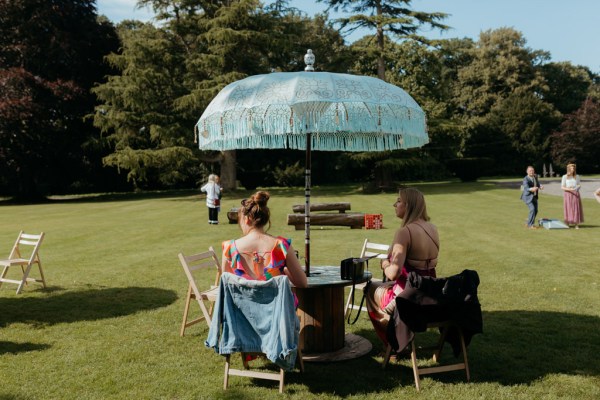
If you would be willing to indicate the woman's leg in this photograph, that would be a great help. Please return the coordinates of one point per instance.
(380, 306)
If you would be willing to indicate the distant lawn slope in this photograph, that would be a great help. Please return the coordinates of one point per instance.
(108, 325)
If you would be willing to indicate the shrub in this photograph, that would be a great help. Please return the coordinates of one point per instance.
(469, 169)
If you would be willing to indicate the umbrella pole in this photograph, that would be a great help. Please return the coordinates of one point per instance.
(307, 206)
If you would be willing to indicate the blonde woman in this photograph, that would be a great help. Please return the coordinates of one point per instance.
(415, 248)
(571, 184)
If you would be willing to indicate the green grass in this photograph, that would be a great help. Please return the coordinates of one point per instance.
(108, 326)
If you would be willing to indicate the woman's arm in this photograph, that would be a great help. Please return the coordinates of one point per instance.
(293, 270)
(563, 183)
(225, 258)
(392, 267)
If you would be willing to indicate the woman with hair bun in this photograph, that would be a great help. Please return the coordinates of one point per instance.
(258, 255)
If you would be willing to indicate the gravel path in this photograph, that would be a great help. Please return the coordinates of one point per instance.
(588, 187)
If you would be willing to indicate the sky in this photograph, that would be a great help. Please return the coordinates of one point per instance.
(568, 30)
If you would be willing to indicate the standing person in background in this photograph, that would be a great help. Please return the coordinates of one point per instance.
(213, 192)
(531, 187)
(218, 182)
(570, 184)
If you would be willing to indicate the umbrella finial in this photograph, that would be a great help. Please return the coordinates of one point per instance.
(309, 60)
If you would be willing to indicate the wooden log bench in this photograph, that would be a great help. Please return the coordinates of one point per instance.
(232, 215)
(341, 218)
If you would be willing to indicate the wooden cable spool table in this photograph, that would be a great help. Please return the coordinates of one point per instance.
(321, 313)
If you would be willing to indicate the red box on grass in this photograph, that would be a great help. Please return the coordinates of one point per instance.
(373, 221)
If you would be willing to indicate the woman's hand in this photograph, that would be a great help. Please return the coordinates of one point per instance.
(384, 264)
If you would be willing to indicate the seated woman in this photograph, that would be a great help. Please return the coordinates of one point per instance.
(258, 255)
(415, 248)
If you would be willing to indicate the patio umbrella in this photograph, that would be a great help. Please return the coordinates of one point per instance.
(312, 111)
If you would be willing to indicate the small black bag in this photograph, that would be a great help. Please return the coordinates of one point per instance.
(354, 269)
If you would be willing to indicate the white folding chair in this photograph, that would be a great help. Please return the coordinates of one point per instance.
(191, 264)
(19, 256)
(369, 249)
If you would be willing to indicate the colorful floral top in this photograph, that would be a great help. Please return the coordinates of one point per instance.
(275, 260)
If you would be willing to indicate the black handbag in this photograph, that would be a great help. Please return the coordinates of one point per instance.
(354, 269)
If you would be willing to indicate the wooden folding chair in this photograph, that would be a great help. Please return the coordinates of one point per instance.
(369, 249)
(417, 371)
(273, 376)
(246, 372)
(191, 264)
(19, 257)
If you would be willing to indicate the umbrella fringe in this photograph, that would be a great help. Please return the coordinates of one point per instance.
(231, 130)
(342, 112)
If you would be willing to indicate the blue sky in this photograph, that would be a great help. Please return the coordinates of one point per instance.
(569, 30)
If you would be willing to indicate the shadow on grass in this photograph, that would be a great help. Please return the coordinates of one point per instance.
(85, 305)
(429, 188)
(14, 348)
(523, 346)
(517, 347)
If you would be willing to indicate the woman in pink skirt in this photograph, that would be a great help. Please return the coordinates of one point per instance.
(571, 183)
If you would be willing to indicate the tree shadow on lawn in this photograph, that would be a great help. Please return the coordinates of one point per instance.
(193, 195)
(517, 347)
(14, 348)
(523, 346)
(83, 305)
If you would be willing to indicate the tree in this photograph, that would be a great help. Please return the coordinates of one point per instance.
(138, 111)
(393, 16)
(515, 133)
(50, 55)
(567, 85)
(209, 45)
(578, 138)
(499, 97)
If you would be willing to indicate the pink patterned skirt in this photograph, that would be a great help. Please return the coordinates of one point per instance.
(573, 212)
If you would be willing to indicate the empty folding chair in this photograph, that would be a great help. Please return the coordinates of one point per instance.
(369, 249)
(191, 265)
(24, 254)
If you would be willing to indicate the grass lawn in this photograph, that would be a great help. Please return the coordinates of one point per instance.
(108, 325)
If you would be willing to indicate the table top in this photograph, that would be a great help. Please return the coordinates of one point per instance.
(321, 276)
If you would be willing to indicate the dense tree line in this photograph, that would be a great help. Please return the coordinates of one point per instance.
(87, 106)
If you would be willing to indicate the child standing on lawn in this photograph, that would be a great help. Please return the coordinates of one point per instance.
(213, 193)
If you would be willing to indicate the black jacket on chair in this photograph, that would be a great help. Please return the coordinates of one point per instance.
(427, 300)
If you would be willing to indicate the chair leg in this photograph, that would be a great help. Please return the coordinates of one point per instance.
(440, 345)
(464, 351)
(186, 309)
(39, 263)
(300, 360)
(413, 358)
(348, 304)
(24, 280)
(226, 376)
(4, 272)
(281, 379)
(386, 357)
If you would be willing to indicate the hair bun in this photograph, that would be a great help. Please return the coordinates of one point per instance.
(261, 198)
